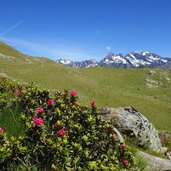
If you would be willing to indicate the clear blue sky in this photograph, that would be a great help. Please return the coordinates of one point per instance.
(84, 29)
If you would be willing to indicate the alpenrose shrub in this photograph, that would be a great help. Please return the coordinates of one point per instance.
(60, 135)
(7, 92)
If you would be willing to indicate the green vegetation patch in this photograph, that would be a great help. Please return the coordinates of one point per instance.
(147, 90)
(57, 133)
(9, 51)
(109, 87)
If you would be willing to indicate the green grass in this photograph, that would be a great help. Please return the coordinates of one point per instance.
(108, 87)
(10, 121)
(9, 51)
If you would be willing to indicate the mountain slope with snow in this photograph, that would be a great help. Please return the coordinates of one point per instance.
(131, 60)
(83, 64)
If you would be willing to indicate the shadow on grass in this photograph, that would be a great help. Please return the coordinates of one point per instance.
(10, 121)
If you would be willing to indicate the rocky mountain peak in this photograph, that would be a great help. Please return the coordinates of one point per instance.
(78, 64)
(144, 59)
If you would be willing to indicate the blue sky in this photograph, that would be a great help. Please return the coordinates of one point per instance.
(85, 29)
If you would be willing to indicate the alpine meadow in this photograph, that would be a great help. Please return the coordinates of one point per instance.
(147, 90)
(45, 126)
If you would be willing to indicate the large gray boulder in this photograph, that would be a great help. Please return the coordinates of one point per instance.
(132, 123)
(155, 163)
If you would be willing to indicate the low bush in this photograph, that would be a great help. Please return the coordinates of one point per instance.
(58, 133)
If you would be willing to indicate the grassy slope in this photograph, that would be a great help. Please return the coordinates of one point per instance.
(109, 87)
(7, 50)
(18, 56)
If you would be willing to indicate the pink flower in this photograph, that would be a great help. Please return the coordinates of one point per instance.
(1, 131)
(40, 110)
(73, 93)
(113, 136)
(18, 92)
(61, 132)
(38, 122)
(125, 163)
(51, 102)
(92, 103)
(123, 146)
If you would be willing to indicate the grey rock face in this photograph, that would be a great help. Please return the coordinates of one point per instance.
(167, 66)
(168, 154)
(155, 163)
(132, 123)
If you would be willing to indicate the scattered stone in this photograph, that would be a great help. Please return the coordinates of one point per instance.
(152, 83)
(155, 163)
(166, 76)
(168, 154)
(11, 58)
(163, 150)
(133, 124)
(151, 72)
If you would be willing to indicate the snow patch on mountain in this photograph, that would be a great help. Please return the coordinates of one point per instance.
(64, 61)
(83, 64)
(112, 58)
(131, 60)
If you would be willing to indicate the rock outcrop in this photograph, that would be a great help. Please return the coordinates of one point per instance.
(120, 137)
(168, 154)
(132, 123)
(155, 163)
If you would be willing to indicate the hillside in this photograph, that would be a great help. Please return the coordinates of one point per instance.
(9, 51)
(10, 54)
(147, 90)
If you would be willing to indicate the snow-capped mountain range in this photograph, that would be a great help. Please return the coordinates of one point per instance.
(82, 64)
(131, 60)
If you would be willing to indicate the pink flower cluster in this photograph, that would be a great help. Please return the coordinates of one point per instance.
(38, 122)
(113, 136)
(73, 93)
(125, 163)
(92, 103)
(123, 146)
(1, 131)
(51, 102)
(18, 92)
(61, 132)
(40, 110)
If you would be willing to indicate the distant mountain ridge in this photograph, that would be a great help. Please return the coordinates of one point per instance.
(82, 64)
(131, 60)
